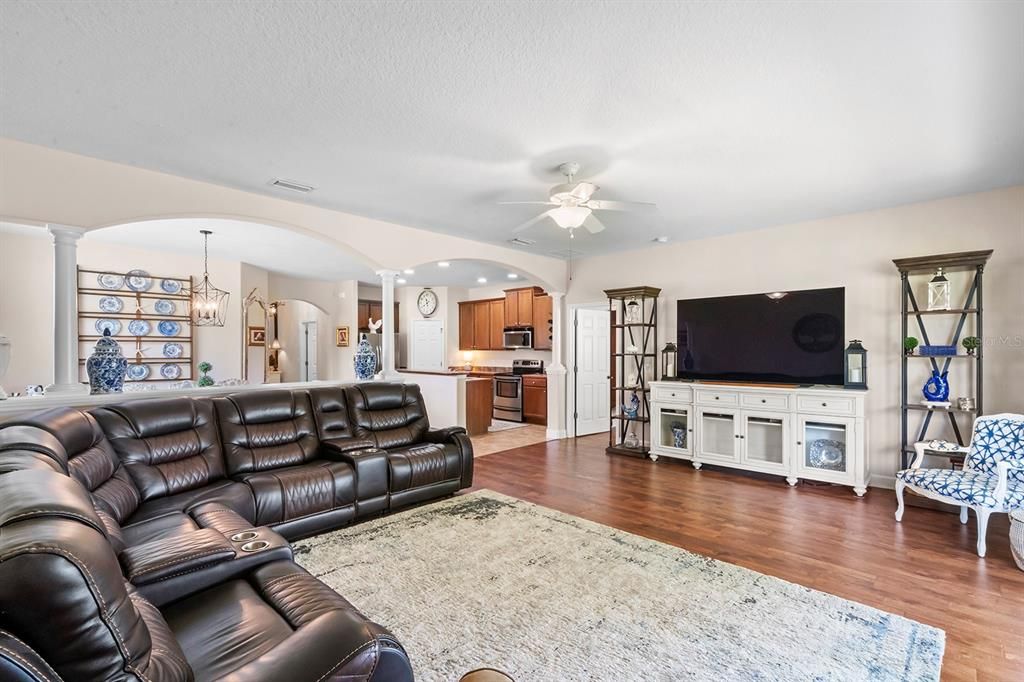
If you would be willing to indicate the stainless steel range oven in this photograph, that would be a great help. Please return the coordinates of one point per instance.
(508, 390)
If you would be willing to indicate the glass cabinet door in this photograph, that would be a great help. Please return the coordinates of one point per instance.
(764, 440)
(826, 446)
(674, 429)
(719, 435)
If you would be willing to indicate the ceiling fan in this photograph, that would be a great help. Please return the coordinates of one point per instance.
(574, 206)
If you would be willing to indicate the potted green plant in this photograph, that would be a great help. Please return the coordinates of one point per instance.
(971, 343)
(206, 379)
(909, 344)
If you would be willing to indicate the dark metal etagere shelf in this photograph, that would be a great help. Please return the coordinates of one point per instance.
(641, 331)
(972, 262)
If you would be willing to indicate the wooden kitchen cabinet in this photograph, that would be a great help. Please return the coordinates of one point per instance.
(496, 317)
(542, 323)
(519, 306)
(482, 325)
(467, 327)
(535, 399)
(365, 310)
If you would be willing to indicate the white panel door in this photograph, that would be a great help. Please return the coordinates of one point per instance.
(308, 369)
(427, 345)
(592, 371)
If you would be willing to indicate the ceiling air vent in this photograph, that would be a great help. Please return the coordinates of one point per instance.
(521, 241)
(292, 186)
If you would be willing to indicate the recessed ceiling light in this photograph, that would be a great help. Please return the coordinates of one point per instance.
(400, 281)
(443, 264)
(408, 271)
(513, 275)
(660, 240)
(481, 280)
(776, 295)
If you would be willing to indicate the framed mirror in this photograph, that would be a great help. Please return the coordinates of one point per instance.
(254, 338)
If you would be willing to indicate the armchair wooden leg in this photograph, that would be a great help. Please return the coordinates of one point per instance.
(982, 515)
(963, 513)
(899, 499)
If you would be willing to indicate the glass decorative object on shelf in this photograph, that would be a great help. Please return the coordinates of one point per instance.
(631, 440)
(855, 366)
(209, 304)
(632, 408)
(938, 292)
(633, 315)
(669, 361)
(678, 434)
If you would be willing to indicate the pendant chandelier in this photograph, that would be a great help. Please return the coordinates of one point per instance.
(209, 304)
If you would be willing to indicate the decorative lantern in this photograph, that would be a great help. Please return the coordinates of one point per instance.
(938, 292)
(633, 311)
(209, 304)
(669, 361)
(855, 367)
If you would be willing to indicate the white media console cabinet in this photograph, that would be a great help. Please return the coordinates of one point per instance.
(800, 433)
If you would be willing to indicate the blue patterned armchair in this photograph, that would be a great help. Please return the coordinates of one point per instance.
(992, 479)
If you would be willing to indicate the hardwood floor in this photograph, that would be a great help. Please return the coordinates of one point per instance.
(825, 538)
(498, 441)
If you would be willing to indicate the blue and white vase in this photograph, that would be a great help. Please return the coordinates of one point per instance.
(631, 408)
(936, 389)
(365, 360)
(106, 366)
(678, 435)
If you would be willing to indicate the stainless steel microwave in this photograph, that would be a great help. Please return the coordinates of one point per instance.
(518, 338)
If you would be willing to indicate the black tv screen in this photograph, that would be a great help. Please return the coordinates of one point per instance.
(795, 338)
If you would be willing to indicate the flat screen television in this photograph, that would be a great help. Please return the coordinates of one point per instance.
(794, 338)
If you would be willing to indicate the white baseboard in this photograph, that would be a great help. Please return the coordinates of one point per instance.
(556, 434)
(879, 481)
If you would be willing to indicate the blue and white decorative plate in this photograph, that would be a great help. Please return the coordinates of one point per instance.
(173, 350)
(137, 372)
(138, 280)
(164, 307)
(139, 327)
(104, 323)
(169, 328)
(170, 371)
(111, 304)
(109, 280)
(170, 286)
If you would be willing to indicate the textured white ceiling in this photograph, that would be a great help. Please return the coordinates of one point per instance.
(730, 116)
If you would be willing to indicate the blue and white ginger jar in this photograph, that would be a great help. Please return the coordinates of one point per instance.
(106, 366)
(365, 360)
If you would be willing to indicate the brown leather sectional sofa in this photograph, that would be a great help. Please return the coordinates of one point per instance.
(149, 540)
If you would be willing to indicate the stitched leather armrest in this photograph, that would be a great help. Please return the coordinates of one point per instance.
(443, 435)
(337, 445)
(370, 465)
(163, 559)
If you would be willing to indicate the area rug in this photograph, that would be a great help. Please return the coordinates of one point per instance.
(489, 580)
(502, 425)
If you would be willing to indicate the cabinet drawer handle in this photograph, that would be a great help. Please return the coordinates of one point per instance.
(673, 395)
(824, 404)
(716, 397)
(736, 436)
(763, 400)
(742, 436)
(799, 442)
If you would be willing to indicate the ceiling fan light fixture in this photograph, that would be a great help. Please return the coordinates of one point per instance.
(570, 217)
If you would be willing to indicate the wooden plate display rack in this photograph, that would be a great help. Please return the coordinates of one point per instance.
(138, 305)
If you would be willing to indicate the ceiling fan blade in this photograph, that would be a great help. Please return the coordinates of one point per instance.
(602, 205)
(593, 225)
(532, 203)
(584, 190)
(531, 222)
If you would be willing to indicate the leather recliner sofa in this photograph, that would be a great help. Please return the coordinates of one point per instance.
(177, 486)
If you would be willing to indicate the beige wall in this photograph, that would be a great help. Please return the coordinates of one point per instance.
(856, 252)
(26, 301)
(256, 278)
(41, 185)
(291, 316)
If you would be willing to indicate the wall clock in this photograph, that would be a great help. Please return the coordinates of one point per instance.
(427, 302)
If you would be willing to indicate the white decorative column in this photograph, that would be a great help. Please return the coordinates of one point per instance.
(65, 310)
(387, 304)
(556, 371)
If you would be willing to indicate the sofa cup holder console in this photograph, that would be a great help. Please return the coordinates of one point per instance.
(255, 546)
(245, 536)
